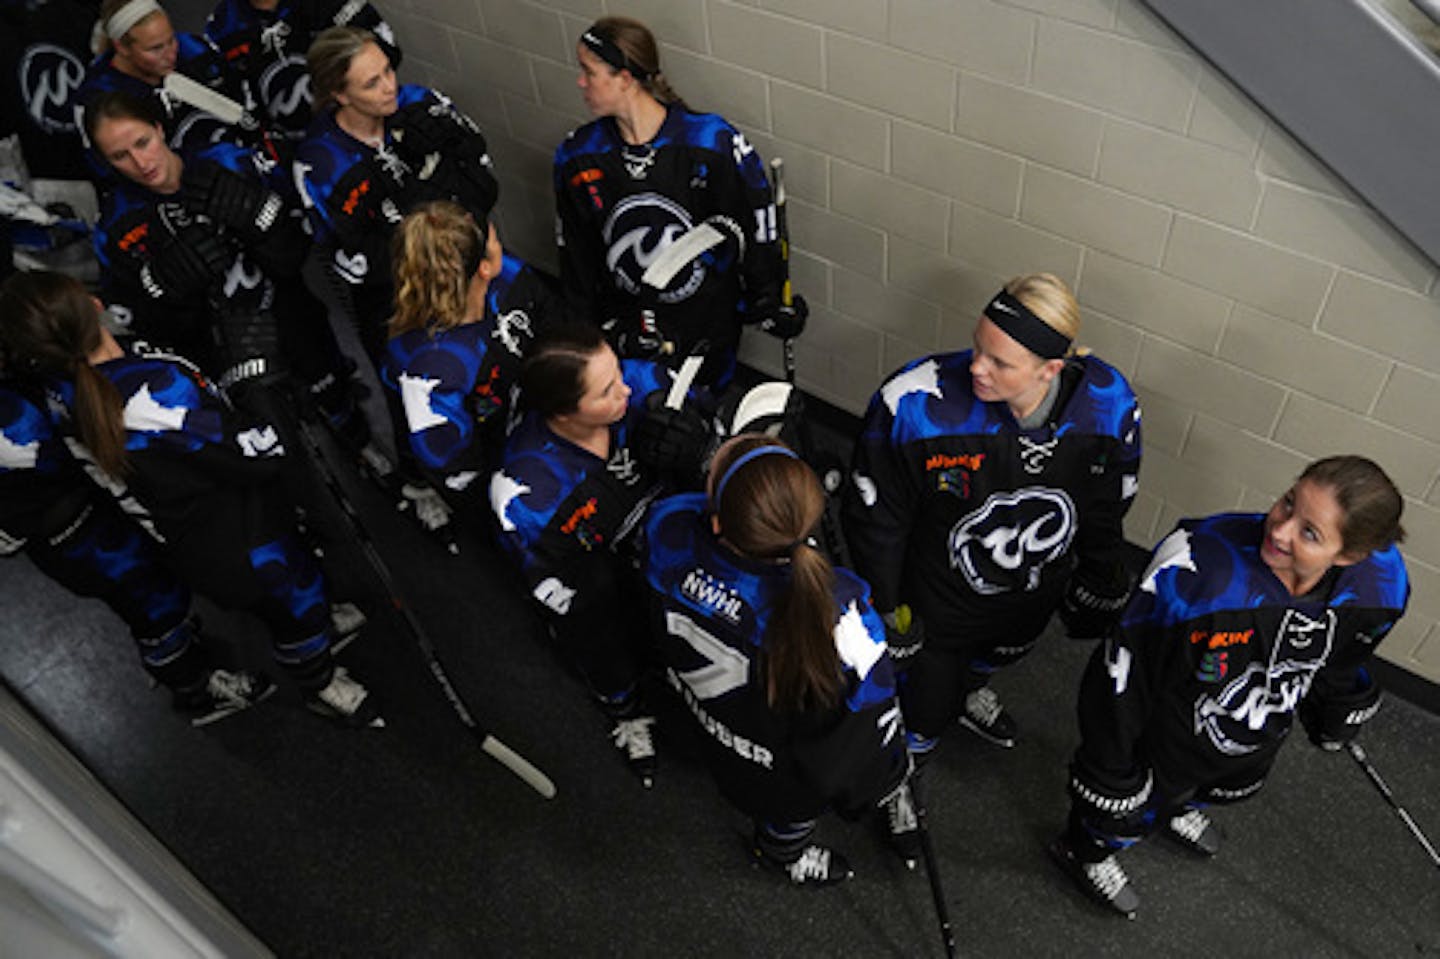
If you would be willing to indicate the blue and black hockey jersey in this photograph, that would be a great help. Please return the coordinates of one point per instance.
(715, 607)
(137, 225)
(561, 507)
(455, 384)
(186, 127)
(957, 510)
(42, 486)
(268, 47)
(621, 206)
(1214, 654)
(356, 193)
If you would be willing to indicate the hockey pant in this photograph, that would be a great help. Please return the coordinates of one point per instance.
(947, 668)
(243, 557)
(1094, 836)
(603, 632)
(103, 554)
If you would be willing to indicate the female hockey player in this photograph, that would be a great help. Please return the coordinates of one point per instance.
(779, 656)
(465, 310)
(989, 487)
(201, 253)
(374, 151)
(578, 472)
(204, 476)
(137, 49)
(640, 183)
(265, 41)
(1240, 622)
(78, 535)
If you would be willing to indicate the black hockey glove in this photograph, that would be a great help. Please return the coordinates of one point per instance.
(229, 199)
(189, 263)
(423, 128)
(671, 440)
(251, 339)
(780, 321)
(1094, 600)
(1333, 721)
(904, 633)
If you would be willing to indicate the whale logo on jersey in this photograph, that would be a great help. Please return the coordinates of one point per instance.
(284, 88)
(49, 76)
(1004, 545)
(638, 231)
(1234, 719)
(511, 327)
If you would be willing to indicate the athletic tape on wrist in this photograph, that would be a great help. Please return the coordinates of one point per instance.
(1025, 328)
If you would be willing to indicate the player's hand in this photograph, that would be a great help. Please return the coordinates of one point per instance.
(669, 439)
(780, 321)
(904, 633)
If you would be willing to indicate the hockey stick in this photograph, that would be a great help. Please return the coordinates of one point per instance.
(830, 479)
(782, 232)
(497, 750)
(932, 871)
(198, 95)
(1357, 753)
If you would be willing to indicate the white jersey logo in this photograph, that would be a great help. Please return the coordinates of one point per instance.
(1034, 456)
(144, 414)
(415, 395)
(49, 77)
(503, 492)
(1174, 550)
(637, 232)
(18, 456)
(555, 595)
(1005, 545)
(922, 378)
(512, 329)
(856, 644)
(1234, 719)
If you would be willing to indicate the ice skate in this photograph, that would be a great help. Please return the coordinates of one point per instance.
(1194, 830)
(1103, 881)
(346, 700)
(904, 823)
(816, 865)
(986, 718)
(634, 738)
(222, 693)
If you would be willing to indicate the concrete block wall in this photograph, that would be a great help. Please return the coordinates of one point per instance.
(935, 147)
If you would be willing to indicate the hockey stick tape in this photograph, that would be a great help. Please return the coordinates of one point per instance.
(197, 95)
(688, 369)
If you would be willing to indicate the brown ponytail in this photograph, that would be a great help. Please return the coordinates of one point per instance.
(767, 506)
(51, 327)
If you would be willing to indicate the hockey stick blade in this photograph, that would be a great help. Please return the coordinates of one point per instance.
(688, 370)
(510, 759)
(197, 95)
(664, 267)
(518, 765)
(1357, 753)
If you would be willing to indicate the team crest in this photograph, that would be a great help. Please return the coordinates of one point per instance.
(1005, 544)
(638, 231)
(49, 76)
(1235, 718)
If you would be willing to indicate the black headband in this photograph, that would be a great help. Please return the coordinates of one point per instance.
(598, 42)
(1025, 328)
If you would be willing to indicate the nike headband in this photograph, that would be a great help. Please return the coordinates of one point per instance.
(599, 43)
(129, 15)
(1025, 328)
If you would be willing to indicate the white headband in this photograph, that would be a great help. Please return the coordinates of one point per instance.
(129, 15)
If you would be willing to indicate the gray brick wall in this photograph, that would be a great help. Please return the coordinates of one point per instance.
(934, 147)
